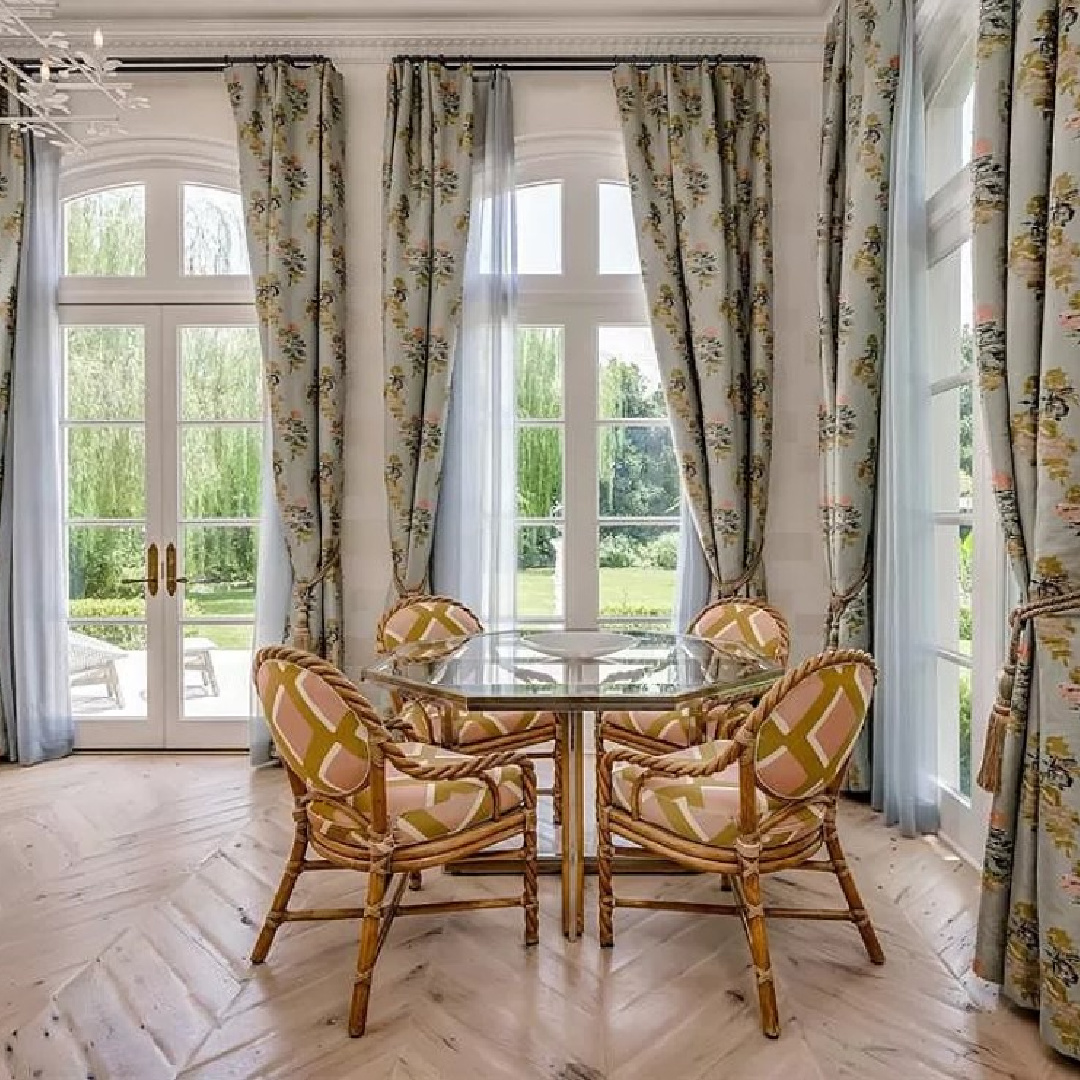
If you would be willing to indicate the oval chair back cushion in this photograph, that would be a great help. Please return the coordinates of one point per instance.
(426, 618)
(744, 623)
(317, 735)
(805, 741)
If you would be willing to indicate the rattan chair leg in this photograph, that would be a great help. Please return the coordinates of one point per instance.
(605, 853)
(754, 914)
(416, 880)
(529, 870)
(859, 914)
(280, 904)
(369, 952)
(556, 775)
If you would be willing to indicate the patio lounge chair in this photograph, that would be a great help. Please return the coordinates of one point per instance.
(92, 661)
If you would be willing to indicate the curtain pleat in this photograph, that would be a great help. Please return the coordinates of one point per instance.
(427, 192)
(1026, 255)
(35, 697)
(291, 139)
(861, 70)
(474, 554)
(697, 149)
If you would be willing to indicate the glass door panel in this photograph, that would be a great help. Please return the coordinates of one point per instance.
(109, 518)
(218, 473)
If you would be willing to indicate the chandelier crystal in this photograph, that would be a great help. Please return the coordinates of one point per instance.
(76, 92)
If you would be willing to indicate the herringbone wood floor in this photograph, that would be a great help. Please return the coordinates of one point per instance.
(132, 886)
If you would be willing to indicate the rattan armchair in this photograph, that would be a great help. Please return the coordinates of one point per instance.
(761, 802)
(431, 619)
(742, 624)
(364, 802)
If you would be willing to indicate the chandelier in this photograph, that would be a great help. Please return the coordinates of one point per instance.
(49, 102)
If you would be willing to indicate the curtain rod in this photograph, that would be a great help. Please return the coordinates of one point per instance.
(574, 63)
(144, 65)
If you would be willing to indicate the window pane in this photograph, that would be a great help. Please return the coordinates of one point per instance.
(221, 373)
(106, 472)
(539, 372)
(107, 669)
(539, 229)
(629, 374)
(637, 569)
(539, 572)
(951, 318)
(954, 433)
(954, 716)
(638, 474)
(221, 470)
(539, 472)
(105, 372)
(214, 239)
(954, 563)
(617, 239)
(219, 563)
(215, 676)
(100, 558)
(105, 233)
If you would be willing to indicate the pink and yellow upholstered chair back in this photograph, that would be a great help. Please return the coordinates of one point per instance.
(745, 622)
(424, 618)
(811, 720)
(318, 736)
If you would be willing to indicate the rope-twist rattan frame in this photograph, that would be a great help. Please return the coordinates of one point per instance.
(536, 736)
(728, 715)
(375, 850)
(742, 864)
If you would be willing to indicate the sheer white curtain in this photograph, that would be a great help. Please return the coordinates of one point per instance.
(273, 592)
(693, 579)
(904, 727)
(33, 587)
(474, 555)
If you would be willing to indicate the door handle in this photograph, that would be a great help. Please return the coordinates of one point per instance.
(151, 581)
(171, 580)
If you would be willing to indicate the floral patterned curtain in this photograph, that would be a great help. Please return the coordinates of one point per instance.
(1026, 251)
(862, 49)
(291, 134)
(427, 184)
(697, 150)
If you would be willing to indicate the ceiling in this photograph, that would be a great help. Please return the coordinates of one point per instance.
(441, 10)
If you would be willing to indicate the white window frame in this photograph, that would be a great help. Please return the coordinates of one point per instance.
(581, 301)
(964, 817)
(162, 300)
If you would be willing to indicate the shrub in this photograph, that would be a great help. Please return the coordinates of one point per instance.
(123, 635)
(617, 550)
(663, 552)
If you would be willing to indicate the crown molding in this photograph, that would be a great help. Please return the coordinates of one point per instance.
(362, 40)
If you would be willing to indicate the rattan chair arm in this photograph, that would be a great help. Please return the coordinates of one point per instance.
(663, 765)
(340, 801)
(472, 767)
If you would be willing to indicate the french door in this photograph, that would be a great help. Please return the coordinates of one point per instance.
(162, 421)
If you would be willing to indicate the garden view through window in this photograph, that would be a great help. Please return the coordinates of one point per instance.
(162, 422)
(598, 492)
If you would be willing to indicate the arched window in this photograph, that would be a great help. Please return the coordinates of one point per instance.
(598, 485)
(162, 421)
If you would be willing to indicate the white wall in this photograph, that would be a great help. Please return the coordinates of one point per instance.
(546, 103)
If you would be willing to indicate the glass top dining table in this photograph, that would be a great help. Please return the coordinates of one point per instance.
(524, 669)
(571, 673)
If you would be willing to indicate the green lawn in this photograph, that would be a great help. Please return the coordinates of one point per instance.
(631, 590)
(224, 601)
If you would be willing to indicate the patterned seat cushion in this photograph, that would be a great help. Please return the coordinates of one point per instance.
(704, 809)
(427, 720)
(743, 622)
(676, 726)
(422, 810)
